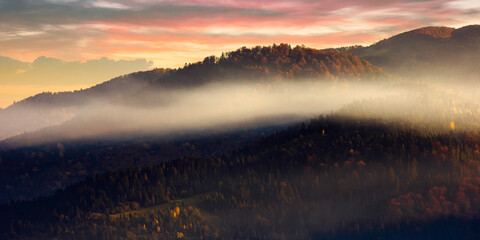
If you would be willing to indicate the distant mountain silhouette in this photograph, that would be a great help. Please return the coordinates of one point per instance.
(430, 53)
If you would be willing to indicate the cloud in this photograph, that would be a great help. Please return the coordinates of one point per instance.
(464, 4)
(10, 67)
(19, 80)
(52, 71)
(105, 4)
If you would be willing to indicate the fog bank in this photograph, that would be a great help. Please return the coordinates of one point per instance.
(212, 107)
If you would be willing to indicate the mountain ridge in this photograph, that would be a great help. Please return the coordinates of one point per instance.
(330, 65)
(431, 53)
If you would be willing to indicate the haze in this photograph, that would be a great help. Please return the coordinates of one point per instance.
(214, 107)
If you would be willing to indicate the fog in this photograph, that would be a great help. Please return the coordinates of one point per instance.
(229, 106)
(215, 106)
(435, 108)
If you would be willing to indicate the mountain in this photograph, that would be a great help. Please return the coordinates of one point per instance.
(333, 178)
(154, 88)
(432, 53)
(57, 155)
(429, 54)
(403, 164)
(281, 62)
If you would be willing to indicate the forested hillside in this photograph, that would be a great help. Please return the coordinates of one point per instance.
(331, 178)
(273, 62)
(33, 171)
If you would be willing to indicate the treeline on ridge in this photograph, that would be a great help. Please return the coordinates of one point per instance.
(267, 63)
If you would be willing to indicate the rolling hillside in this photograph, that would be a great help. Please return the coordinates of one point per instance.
(437, 54)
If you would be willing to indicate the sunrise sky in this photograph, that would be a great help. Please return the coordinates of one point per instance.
(110, 38)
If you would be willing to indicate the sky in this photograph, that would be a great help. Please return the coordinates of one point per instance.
(134, 35)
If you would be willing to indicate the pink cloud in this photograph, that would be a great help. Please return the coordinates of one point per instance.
(196, 28)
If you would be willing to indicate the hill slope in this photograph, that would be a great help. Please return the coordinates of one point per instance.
(432, 53)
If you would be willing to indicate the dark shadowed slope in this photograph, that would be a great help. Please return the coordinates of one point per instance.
(331, 179)
(34, 171)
